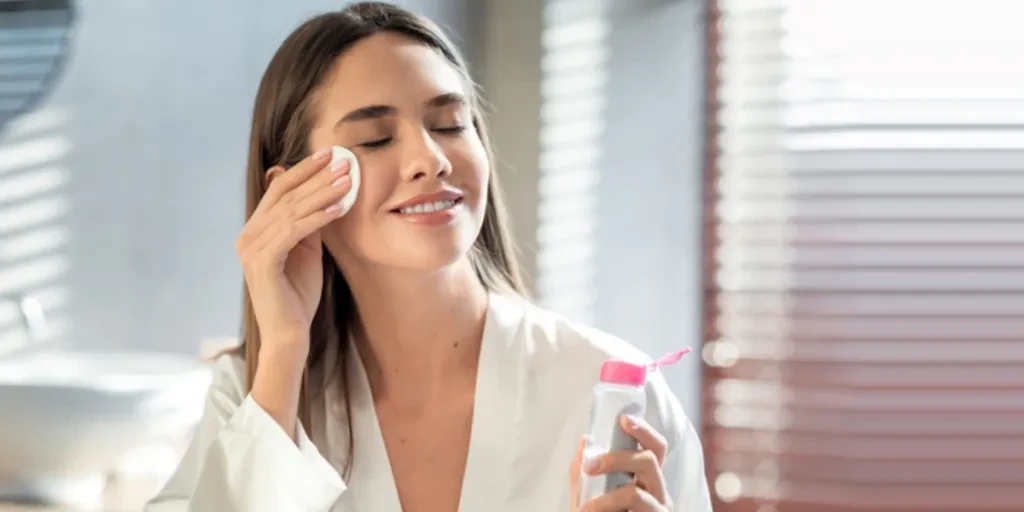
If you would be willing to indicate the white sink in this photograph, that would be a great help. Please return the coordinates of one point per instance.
(68, 418)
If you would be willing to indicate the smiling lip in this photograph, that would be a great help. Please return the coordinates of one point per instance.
(436, 216)
(433, 197)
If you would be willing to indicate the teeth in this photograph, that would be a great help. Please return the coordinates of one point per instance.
(436, 206)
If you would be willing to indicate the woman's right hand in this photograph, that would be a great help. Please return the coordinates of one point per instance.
(280, 247)
(281, 253)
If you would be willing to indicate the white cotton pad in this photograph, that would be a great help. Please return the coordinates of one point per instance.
(338, 154)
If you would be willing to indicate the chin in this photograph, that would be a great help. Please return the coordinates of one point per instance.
(434, 253)
(433, 264)
(435, 247)
(422, 250)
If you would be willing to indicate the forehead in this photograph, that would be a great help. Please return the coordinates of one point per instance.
(388, 69)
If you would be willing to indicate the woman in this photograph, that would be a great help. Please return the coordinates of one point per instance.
(390, 361)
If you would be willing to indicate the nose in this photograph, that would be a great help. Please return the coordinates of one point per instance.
(424, 159)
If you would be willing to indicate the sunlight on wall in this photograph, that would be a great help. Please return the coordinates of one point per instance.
(574, 68)
(33, 233)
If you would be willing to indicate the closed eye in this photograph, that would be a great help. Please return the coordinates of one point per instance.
(447, 130)
(451, 129)
(376, 143)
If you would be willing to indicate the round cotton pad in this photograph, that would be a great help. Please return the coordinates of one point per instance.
(338, 154)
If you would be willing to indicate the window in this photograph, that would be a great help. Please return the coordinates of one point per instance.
(34, 40)
(574, 69)
(865, 273)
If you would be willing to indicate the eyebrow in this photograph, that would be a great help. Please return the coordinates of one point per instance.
(379, 111)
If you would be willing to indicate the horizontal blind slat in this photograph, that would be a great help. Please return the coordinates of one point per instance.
(870, 304)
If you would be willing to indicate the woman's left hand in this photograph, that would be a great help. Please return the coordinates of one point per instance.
(648, 491)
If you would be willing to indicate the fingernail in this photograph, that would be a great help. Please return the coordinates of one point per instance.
(341, 181)
(591, 465)
(333, 209)
(631, 421)
(321, 153)
(336, 167)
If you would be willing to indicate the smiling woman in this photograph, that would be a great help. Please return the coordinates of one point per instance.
(391, 360)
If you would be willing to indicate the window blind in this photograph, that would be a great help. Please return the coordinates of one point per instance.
(865, 268)
(34, 35)
(574, 61)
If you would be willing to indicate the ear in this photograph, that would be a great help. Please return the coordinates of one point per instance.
(273, 173)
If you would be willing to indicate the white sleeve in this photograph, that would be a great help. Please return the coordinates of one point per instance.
(683, 467)
(684, 473)
(240, 459)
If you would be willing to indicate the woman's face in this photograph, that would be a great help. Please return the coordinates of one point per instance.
(402, 108)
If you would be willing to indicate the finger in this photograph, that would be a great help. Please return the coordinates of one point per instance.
(283, 182)
(325, 178)
(629, 497)
(268, 199)
(646, 435)
(327, 195)
(574, 468)
(268, 224)
(574, 475)
(287, 235)
(643, 465)
(265, 202)
(264, 217)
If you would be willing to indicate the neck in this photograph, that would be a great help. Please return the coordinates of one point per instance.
(418, 332)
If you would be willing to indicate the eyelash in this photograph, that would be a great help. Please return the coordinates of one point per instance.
(451, 130)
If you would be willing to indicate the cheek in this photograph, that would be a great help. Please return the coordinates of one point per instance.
(374, 190)
(380, 179)
(473, 166)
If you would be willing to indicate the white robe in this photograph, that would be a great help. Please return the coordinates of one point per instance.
(532, 404)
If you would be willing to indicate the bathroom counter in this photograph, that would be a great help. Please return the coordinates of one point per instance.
(126, 490)
(122, 495)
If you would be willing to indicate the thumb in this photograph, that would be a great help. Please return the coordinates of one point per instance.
(313, 241)
(574, 475)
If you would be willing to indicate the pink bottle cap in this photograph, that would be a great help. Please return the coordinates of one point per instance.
(621, 372)
(631, 374)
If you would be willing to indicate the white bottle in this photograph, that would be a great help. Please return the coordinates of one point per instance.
(620, 391)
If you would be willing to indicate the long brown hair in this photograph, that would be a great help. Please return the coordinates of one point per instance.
(281, 124)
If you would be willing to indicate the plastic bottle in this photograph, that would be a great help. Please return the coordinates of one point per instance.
(620, 391)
